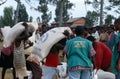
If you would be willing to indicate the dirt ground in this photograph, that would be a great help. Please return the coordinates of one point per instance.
(8, 74)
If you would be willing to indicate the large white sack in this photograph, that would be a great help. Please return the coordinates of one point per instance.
(105, 75)
(94, 74)
(100, 74)
(15, 31)
(42, 47)
(5, 30)
(35, 24)
(62, 70)
(32, 38)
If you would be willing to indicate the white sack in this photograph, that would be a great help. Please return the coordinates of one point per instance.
(13, 33)
(5, 30)
(94, 74)
(43, 45)
(102, 75)
(105, 75)
(35, 24)
(62, 70)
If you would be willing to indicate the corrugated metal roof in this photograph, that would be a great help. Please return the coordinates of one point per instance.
(72, 20)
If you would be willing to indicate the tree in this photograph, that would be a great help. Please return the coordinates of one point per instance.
(17, 11)
(98, 6)
(22, 14)
(2, 2)
(108, 19)
(7, 18)
(43, 8)
(114, 4)
(91, 18)
(62, 11)
(30, 19)
(38, 19)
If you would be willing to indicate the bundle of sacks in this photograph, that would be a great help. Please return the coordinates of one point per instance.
(15, 31)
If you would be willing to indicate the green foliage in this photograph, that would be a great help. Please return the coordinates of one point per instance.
(7, 18)
(23, 15)
(115, 4)
(108, 19)
(30, 19)
(38, 19)
(66, 6)
(43, 8)
(108, 8)
(91, 18)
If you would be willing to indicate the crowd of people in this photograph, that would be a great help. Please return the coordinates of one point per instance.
(85, 50)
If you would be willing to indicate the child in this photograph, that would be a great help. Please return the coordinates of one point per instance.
(52, 61)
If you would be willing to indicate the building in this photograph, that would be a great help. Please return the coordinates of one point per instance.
(72, 22)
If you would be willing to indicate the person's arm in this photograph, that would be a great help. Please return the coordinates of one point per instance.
(65, 54)
(28, 44)
(92, 56)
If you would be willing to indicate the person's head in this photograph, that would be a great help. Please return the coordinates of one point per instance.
(110, 30)
(93, 30)
(79, 30)
(44, 28)
(117, 24)
(31, 29)
(91, 38)
(56, 48)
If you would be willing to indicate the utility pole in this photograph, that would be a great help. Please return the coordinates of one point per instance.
(17, 11)
(61, 13)
(101, 12)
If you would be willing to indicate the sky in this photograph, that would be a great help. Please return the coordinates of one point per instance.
(79, 9)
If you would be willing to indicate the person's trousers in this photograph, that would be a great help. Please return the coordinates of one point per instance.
(79, 74)
(48, 72)
(118, 75)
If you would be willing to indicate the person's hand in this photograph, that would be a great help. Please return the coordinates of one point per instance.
(66, 33)
(32, 59)
(31, 43)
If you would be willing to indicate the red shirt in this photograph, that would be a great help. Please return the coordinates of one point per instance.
(103, 56)
(52, 60)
